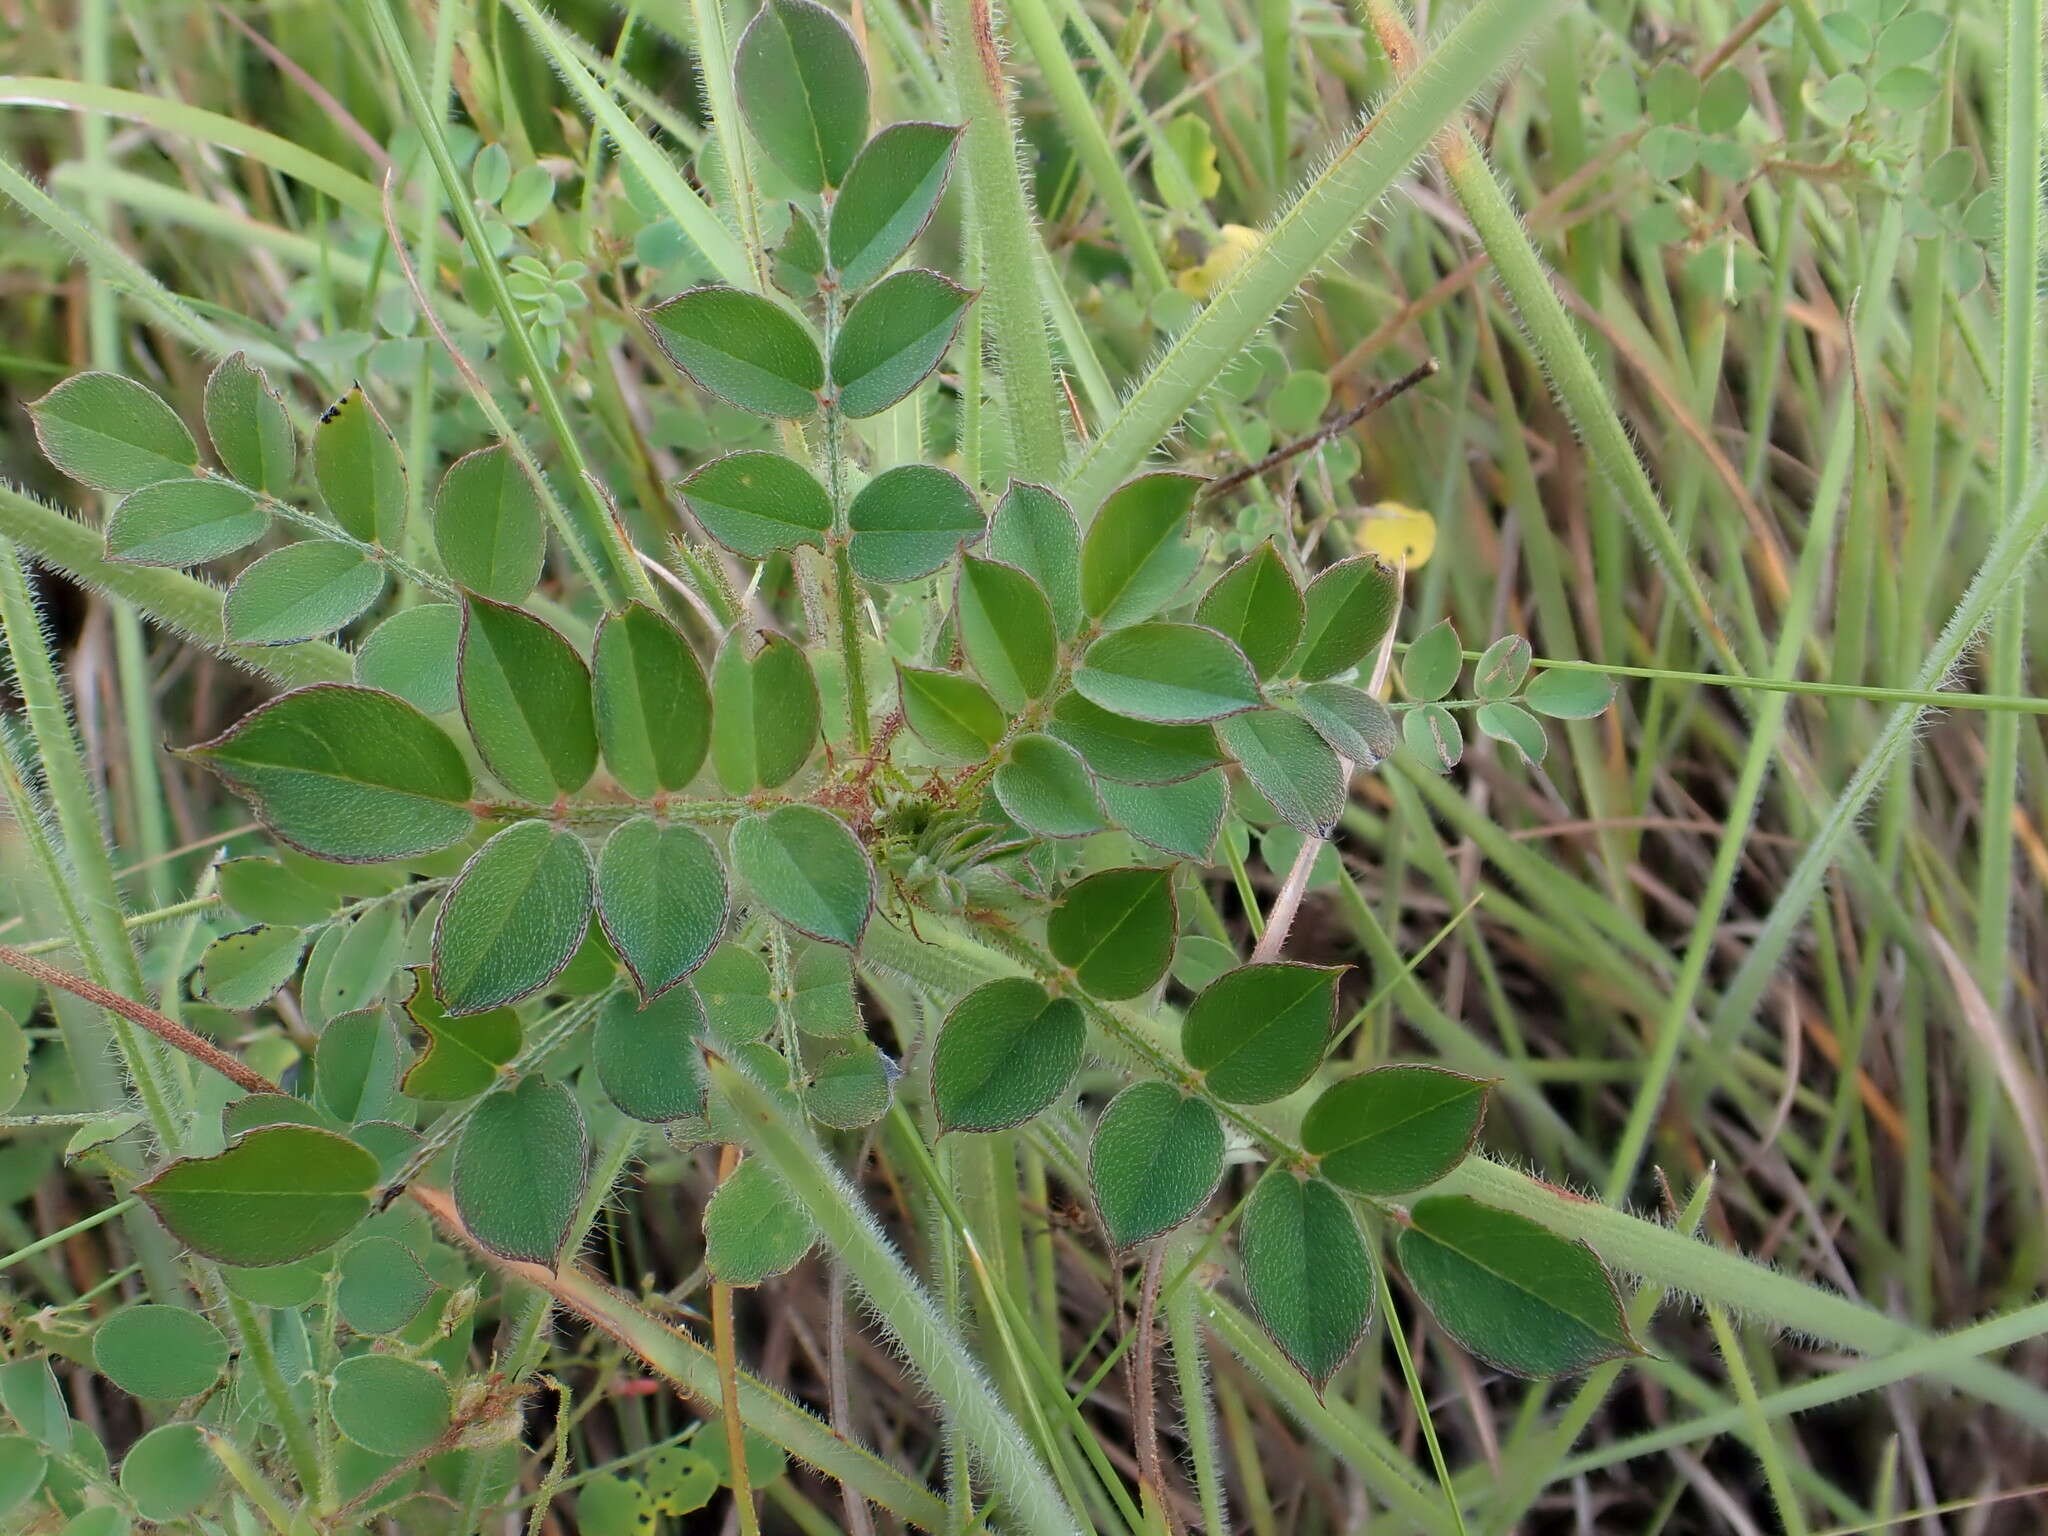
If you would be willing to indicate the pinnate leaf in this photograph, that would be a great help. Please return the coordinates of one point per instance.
(907, 521)
(652, 704)
(803, 91)
(159, 1352)
(1433, 734)
(661, 899)
(183, 522)
(951, 714)
(1005, 1052)
(1044, 787)
(488, 527)
(1257, 1033)
(513, 918)
(806, 867)
(113, 434)
(1258, 607)
(1515, 727)
(389, 1405)
(245, 969)
(1433, 663)
(1034, 530)
(743, 348)
(1349, 610)
(893, 337)
(1306, 1271)
(1136, 555)
(1114, 931)
(1358, 727)
(1170, 673)
(754, 503)
(1394, 1129)
(356, 466)
(647, 1057)
(1292, 766)
(412, 654)
(1569, 695)
(249, 426)
(1513, 1293)
(348, 774)
(1006, 629)
(1155, 1160)
(278, 1194)
(463, 1055)
(764, 713)
(300, 592)
(520, 1170)
(1501, 668)
(526, 697)
(890, 192)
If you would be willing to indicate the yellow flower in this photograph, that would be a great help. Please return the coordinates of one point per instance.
(1397, 534)
(1235, 242)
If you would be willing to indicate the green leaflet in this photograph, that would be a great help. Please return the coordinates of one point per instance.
(753, 1230)
(520, 1171)
(1501, 670)
(1430, 669)
(661, 899)
(249, 427)
(1513, 1293)
(1258, 607)
(526, 697)
(463, 1055)
(1257, 1033)
(169, 1473)
(1181, 818)
(847, 1084)
(1349, 610)
(347, 774)
(184, 522)
(1045, 788)
(1175, 674)
(893, 338)
(1034, 530)
(355, 1072)
(806, 867)
(755, 503)
(823, 999)
(300, 592)
(412, 654)
(908, 521)
(651, 702)
(1134, 751)
(953, 715)
(1136, 555)
(159, 1352)
(1155, 1160)
(380, 1286)
(279, 1193)
(1433, 734)
(113, 434)
(357, 468)
(1006, 629)
(1005, 1052)
(1292, 766)
(891, 189)
(1358, 727)
(738, 994)
(246, 969)
(1306, 1271)
(764, 713)
(23, 1466)
(743, 348)
(1515, 727)
(264, 891)
(1565, 694)
(513, 918)
(647, 1056)
(1394, 1129)
(1115, 930)
(391, 1406)
(803, 90)
(488, 525)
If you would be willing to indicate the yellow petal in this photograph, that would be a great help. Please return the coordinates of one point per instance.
(1397, 534)
(1235, 242)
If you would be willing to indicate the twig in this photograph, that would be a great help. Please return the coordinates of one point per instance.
(1384, 395)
